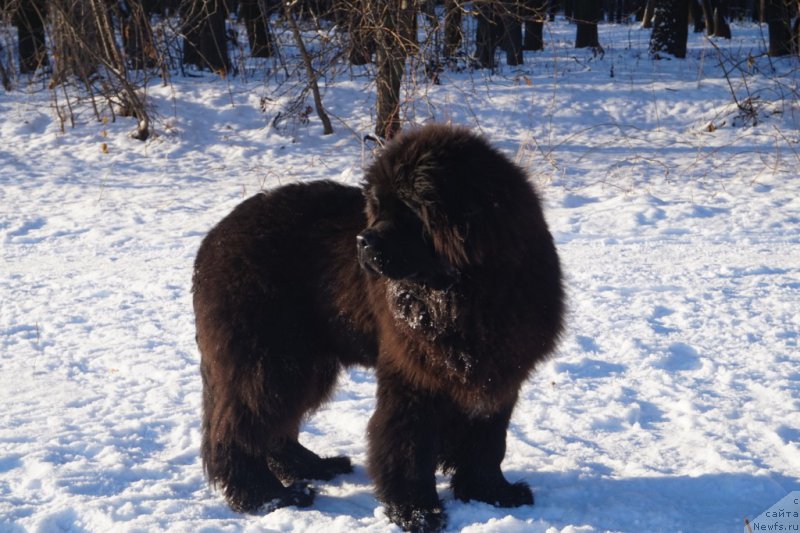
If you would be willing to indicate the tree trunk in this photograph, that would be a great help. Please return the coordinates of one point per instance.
(697, 16)
(203, 28)
(776, 15)
(619, 11)
(255, 14)
(708, 16)
(5, 80)
(511, 32)
(569, 9)
(362, 36)
(721, 27)
(587, 14)
(534, 13)
(73, 34)
(137, 35)
(486, 33)
(452, 28)
(498, 25)
(671, 28)
(327, 129)
(395, 42)
(29, 20)
(649, 12)
(796, 29)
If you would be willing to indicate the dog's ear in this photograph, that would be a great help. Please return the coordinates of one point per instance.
(450, 239)
(422, 188)
(440, 214)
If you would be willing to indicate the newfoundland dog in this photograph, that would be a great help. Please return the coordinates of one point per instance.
(440, 273)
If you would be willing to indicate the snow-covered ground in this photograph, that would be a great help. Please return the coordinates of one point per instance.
(672, 404)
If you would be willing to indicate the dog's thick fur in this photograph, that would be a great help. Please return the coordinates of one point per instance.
(441, 274)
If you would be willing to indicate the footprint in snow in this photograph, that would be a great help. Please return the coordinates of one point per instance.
(656, 322)
(22, 232)
(590, 368)
(681, 357)
(702, 211)
(572, 201)
(788, 434)
(10, 462)
(587, 344)
(650, 216)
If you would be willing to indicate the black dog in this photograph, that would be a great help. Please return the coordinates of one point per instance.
(447, 282)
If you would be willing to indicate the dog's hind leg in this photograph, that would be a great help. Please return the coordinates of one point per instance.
(292, 462)
(250, 487)
(289, 460)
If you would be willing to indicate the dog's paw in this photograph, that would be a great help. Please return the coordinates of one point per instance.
(499, 494)
(258, 500)
(514, 495)
(330, 467)
(417, 519)
(298, 494)
(292, 468)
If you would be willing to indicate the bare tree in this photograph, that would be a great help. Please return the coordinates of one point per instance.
(312, 76)
(5, 79)
(587, 15)
(670, 28)
(255, 14)
(777, 16)
(137, 34)
(698, 17)
(715, 14)
(647, 14)
(394, 24)
(204, 41)
(511, 38)
(533, 15)
(499, 24)
(452, 27)
(29, 18)
(360, 28)
(486, 33)
(88, 53)
(73, 34)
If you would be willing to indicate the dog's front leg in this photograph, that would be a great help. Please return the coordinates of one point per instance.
(402, 454)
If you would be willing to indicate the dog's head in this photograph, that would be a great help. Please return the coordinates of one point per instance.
(440, 199)
(396, 243)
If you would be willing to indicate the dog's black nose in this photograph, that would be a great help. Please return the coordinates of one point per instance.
(365, 240)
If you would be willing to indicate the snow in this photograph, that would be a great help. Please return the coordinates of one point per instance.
(672, 403)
